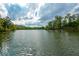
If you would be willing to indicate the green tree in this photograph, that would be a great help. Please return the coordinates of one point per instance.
(6, 24)
(57, 22)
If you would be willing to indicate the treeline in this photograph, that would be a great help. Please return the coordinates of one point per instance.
(6, 24)
(68, 22)
(20, 27)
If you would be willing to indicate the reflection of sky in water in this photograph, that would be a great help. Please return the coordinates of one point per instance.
(39, 42)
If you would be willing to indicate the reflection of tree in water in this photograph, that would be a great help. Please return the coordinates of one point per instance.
(4, 39)
(59, 38)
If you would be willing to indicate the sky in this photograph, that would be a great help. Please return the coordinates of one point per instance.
(35, 14)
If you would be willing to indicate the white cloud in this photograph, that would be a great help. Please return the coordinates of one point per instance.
(39, 1)
(22, 2)
(13, 1)
(3, 11)
(30, 14)
(72, 11)
(24, 22)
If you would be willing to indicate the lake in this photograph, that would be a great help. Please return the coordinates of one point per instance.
(39, 43)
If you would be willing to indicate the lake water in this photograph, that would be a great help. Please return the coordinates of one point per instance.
(39, 43)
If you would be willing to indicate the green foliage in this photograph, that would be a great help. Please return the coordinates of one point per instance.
(56, 24)
(49, 25)
(69, 22)
(6, 24)
(20, 27)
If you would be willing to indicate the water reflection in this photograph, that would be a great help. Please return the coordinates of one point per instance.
(39, 43)
(4, 45)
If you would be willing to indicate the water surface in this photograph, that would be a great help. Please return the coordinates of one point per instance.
(39, 43)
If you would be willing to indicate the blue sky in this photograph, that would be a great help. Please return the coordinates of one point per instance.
(36, 14)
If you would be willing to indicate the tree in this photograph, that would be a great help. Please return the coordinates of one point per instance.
(6, 24)
(57, 22)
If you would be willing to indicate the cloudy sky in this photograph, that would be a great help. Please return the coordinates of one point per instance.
(35, 14)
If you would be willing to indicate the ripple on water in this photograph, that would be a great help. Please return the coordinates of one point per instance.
(26, 52)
